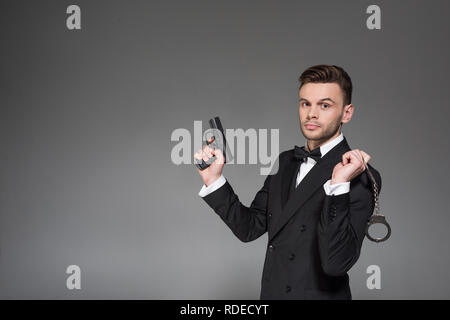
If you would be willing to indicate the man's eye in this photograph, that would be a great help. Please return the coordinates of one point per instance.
(324, 104)
(303, 103)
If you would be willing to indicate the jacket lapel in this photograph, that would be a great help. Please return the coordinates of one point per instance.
(315, 178)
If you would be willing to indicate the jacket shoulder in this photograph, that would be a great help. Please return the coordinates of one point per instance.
(287, 154)
(281, 160)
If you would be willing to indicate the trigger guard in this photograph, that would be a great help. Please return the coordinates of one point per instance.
(203, 165)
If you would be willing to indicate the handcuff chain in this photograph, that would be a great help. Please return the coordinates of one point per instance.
(375, 188)
(378, 217)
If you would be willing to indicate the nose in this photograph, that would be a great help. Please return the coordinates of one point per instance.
(313, 112)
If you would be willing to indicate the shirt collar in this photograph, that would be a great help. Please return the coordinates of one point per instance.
(329, 145)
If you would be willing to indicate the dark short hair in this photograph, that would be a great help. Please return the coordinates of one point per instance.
(323, 73)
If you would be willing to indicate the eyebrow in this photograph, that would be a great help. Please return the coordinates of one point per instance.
(323, 99)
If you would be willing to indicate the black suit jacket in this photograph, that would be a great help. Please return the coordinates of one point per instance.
(314, 239)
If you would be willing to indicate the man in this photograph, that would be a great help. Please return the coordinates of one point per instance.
(315, 208)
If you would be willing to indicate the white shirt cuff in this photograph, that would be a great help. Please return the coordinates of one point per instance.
(337, 188)
(212, 187)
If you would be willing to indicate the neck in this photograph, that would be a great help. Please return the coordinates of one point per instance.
(313, 144)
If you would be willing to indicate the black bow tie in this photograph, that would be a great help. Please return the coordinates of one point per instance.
(301, 154)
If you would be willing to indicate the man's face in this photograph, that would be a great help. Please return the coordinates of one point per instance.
(321, 111)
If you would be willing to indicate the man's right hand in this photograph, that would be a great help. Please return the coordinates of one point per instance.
(214, 171)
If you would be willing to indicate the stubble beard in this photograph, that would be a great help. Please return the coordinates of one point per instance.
(325, 134)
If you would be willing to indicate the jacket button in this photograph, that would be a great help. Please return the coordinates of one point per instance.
(292, 257)
(270, 215)
(271, 247)
(302, 228)
(288, 289)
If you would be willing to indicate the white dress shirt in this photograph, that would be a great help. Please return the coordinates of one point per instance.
(305, 167)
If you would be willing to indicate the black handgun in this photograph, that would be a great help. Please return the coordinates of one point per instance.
(216, 140)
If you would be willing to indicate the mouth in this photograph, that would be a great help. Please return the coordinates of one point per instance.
(311, 126)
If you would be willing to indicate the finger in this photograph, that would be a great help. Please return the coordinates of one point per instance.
(207, 153)
(356, 154)
(207, 150)
(205, 157)
(198, 155)
(366, 156)
(219, 155)
(361, 160)
(357, 158)
(346, 158)
(361, 157)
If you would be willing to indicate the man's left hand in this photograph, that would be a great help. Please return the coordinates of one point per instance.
(351, 166)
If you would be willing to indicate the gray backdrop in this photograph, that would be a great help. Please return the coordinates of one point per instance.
(86, 176)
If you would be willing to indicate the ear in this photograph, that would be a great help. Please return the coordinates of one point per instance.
(348, 113)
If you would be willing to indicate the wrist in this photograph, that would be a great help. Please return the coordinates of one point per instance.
(211, 180)
(335, 181)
